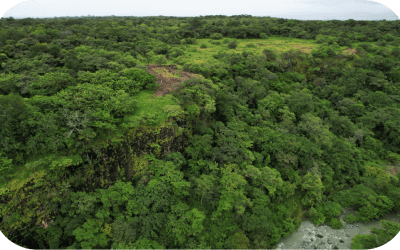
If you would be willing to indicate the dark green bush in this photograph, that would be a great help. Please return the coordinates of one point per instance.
(316, 216)
(351, 218)
(233, 45)
(191, 40)
(141, 76)
(143, 67)
(216, 36)
(336, 224)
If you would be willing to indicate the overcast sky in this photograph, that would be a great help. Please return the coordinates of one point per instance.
(295, 9)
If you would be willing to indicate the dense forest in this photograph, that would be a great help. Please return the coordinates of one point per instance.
(195, 132)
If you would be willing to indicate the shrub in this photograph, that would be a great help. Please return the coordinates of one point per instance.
(250, 45)
(143, 67)
(175, 52)
(191, 40)
(393, 157)
(351, 218)
(396, 52)
(270, 54)
(320, 38)
(233, 45)
(336, 224)
(315, 216)
(331, 210)
(263, 36)
(141, 76)
(203, 45)
(160, 60)
(381, 43)
(216, 36)
(150, 119)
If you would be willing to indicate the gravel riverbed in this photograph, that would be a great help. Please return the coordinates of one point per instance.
(310, 236)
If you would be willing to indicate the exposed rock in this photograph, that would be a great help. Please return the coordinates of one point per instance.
(308, 235)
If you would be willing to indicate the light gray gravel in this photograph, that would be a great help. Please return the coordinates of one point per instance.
(310, 236)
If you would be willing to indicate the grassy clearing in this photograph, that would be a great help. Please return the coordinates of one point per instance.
(196, 54)
(147, 104)
(255, 46)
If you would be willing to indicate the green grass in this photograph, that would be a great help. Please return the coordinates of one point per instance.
(277, 44)
(147, 104)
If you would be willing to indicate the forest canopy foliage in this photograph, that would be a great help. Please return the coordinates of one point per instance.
(263, 136)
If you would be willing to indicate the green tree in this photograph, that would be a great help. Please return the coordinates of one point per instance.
(378, 237)
(206, 186)
(142, 243)
(160, 60)
(232, 193)
(51, 83)
(239, 240)
(233, 44)
(8, 83)
(5, 166)
(316, 216)
(149, 57)
(216, 36)
(233, 143)
(176, 52)
(89, 235)
(72, 62)
(140, 76)
(270, 55)
(315, 130)
(301, 102)
(260, 220)
(15, 129)
(184, 222)
(3, 58)
(312, 189)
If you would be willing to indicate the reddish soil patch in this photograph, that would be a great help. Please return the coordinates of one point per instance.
(304, 213)
(392, 169)
(167, 81)
(349, 51)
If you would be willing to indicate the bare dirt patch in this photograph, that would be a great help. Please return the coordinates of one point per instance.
(166, 76)
(393, 168)
(349, 51)
(394, 171)
(303, 49)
